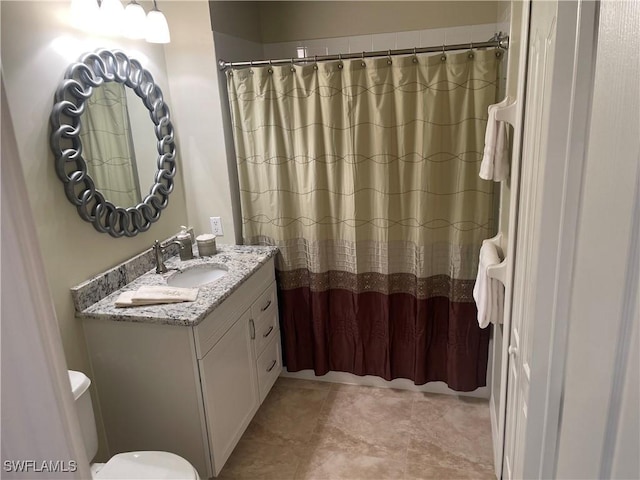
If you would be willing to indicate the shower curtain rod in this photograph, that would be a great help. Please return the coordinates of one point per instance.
(498, 40)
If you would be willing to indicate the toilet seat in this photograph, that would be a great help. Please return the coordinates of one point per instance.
(147, 466)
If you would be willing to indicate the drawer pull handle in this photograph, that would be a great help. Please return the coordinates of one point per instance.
(268, 332)
(266, 306)
(273, 364)
(253, 328)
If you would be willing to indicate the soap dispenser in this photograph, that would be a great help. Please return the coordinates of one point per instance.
(184, 237)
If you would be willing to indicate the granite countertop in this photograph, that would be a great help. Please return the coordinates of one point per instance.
(241, 262)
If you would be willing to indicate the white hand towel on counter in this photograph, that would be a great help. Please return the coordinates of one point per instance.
(156, 294)
(495, 159)
(488, 292)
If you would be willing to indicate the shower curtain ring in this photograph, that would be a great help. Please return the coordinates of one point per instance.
(415, 56)
(292, 67)
(315, 62)
(389, 62)
(362, 63)
(251, 67)
(270, 67)
(340, 65)
(444, 56)
(470, 55)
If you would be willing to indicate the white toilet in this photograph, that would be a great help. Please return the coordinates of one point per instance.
(130, 465)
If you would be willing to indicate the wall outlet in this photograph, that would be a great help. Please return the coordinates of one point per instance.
(216, 226)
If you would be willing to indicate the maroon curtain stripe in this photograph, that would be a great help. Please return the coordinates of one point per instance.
(390, 336)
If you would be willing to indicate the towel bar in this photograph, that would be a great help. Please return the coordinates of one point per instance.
(507, 113)
(499, 272)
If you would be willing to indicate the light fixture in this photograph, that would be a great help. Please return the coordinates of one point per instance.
(134, 21)
(157, 27)
(112, 13)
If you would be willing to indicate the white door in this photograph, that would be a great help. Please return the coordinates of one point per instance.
(515, 90)
(558, 89)
(542, 35)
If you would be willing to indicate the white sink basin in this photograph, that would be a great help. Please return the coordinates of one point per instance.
(197, 276)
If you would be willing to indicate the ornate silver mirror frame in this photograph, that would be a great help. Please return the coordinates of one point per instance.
(80, 79)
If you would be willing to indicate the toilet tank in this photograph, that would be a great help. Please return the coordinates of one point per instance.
(80, 388)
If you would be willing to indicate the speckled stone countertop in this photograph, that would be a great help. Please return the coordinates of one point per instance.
(241, 262)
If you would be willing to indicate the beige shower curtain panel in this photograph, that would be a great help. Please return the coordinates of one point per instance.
(365, 174)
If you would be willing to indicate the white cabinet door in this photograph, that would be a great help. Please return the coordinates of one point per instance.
(231, 397)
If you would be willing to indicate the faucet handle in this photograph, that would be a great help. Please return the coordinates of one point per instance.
(162, 248)
(175, 242)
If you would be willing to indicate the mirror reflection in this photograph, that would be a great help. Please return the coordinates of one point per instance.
(118, 144)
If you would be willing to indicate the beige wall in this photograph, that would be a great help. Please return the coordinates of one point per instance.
(270, 22)
(300, 20)
(197, 109)
(239, 19)
(37, 46)
(504, 10)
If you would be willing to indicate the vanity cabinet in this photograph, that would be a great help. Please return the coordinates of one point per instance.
(189, 390)
(238, 369)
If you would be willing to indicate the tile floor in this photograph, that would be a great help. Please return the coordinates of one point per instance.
(318, 430)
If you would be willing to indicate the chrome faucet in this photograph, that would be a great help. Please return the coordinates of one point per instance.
(159, 252)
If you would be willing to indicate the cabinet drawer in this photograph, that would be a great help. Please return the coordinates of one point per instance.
(267, 327)
(266, 323)
(269, 366)
(266, 303)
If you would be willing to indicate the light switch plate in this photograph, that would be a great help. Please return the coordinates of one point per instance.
(216, 226)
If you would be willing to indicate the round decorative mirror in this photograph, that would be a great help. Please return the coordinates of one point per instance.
(102, 102)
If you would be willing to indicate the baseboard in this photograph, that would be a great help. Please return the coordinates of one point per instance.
(497, 451)
(371, 381)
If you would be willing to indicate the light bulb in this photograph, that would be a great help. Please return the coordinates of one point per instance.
(112, 13)
(135, 21)
(157, 27)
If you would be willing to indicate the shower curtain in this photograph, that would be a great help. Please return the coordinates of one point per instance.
(364, 173)
(108, 146)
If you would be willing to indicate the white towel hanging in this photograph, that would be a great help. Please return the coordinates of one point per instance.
(488, 292)
(495, 159)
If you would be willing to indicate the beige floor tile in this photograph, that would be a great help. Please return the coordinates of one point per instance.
(435, 472)
(451, 433)
(435, 462)
(376, 391)
(365, 421)
(287, 417)
(450, 438)
(260, 461)
(299, 383)
(333, 463)
(319, 430)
